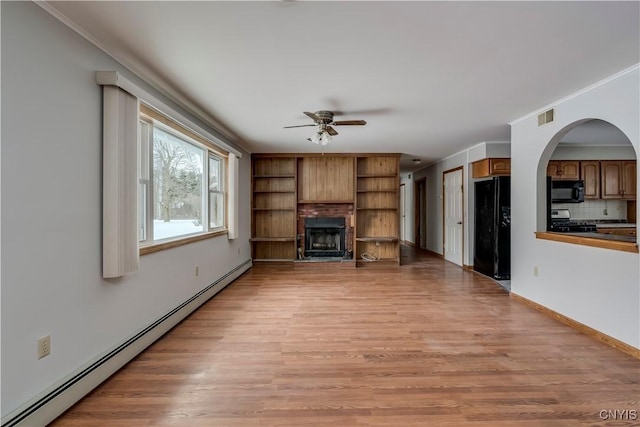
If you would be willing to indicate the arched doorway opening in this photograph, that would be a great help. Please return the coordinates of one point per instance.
(596, 157)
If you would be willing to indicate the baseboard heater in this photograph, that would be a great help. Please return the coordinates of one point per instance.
(49, 406)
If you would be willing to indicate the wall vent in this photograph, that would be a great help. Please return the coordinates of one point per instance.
(546, 117)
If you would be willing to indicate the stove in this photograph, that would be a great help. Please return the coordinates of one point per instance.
(573, 227)
(561, 222)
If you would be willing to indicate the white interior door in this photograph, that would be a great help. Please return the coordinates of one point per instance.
(422, 214)
(402, 213)
(453, 216)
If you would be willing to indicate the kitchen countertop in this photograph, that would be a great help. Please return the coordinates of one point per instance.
(597, 240)
(616, 225)
(601, 236)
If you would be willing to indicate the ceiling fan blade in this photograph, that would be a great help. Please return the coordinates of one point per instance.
(312, 116)
(331, 131)
(297, 126)
(349, 122)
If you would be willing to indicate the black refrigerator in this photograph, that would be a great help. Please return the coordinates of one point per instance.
(492, 254)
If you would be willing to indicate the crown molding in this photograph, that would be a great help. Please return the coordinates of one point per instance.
(576, 94)
(149, 77)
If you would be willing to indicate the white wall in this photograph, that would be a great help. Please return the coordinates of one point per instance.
(51, 215)
(597, 287)
(498, 149)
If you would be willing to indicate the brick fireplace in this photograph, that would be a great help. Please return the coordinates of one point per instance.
(323, 217)
(324, 237)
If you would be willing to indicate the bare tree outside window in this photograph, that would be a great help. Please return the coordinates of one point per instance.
(177, 179)
(182, 181)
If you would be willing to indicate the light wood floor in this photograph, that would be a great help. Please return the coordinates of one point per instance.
(425, 344)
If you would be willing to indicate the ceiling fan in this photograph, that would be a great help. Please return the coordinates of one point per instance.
(324, 121)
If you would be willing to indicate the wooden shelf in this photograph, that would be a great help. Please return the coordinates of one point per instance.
(274, 191)
(274, 209)
(377, 207)
(332, 202)
(273, 213)
(379, 176)
(272, 239)
(377, 239)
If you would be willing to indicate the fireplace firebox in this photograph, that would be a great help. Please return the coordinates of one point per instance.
(324, 237)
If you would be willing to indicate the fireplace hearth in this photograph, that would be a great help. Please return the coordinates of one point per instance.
(324, 237)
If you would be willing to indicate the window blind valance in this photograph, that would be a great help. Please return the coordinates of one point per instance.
(113, 78)
(120, 254)
(122, 105)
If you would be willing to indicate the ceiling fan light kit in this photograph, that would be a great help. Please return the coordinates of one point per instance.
(323, 119)
(321, 137)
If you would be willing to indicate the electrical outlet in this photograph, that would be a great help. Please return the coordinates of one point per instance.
(44, 346)
(197, 271)
(536, 271)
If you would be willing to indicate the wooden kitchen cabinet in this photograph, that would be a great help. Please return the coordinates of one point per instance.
(490, 167)
(629, 174)
(590, 174)
(563, 169)
(618, 179)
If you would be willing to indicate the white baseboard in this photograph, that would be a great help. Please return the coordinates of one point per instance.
(49, 405)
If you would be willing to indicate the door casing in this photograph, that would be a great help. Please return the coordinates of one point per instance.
(453, 200)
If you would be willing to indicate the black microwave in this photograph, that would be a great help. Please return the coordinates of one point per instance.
(567, 191)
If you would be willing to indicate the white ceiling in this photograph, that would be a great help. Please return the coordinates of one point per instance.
(430, 78)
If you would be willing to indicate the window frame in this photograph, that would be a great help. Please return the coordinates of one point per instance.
(145, 177)
(223, 189)
(150, 118)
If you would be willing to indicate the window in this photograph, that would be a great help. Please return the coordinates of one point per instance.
(216, 192)
(175, 169)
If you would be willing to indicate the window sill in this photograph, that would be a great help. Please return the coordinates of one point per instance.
(589, 241)
(157, 247)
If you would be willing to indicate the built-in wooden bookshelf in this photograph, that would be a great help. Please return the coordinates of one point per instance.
(273, 225)
(377, 207)
(283, 184)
